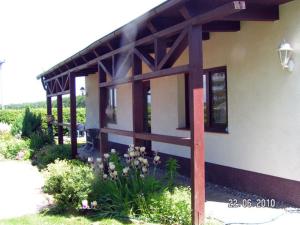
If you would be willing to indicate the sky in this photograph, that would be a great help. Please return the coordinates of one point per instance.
(37, 34)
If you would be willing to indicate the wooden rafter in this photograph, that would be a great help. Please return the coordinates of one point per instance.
(175, 51)
(145, 57)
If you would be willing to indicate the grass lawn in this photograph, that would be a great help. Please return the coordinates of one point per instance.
(40, 219)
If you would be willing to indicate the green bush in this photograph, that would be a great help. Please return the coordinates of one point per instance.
(17, 125)
(49, 153)
(31, 123)
(69, 182)
(10, 147)
(171, 207)
(39, 140)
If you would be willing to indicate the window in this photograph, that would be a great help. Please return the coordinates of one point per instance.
(111, 113)
(215, 100)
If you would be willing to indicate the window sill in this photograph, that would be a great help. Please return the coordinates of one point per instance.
(206, 130)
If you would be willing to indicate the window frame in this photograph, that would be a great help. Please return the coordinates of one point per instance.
(210, 126)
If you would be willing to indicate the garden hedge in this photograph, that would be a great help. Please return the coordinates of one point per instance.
(11, 115)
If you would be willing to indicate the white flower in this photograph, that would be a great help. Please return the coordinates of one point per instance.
(141, 159)
(131, 146)
(144, 169)
(137, 148)
(131, 154)
(125, 171)
(99, 160)
(101, 166)
(106, 155)
(156, 158)
(112, 166)
(94, 204)
(142, 175)
(104, 176)
(113, 151)
(145, 161)
(136, 162)
(90, 159)
(126, 156)
(142, 149)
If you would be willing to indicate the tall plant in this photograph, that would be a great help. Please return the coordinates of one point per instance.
(31, 123)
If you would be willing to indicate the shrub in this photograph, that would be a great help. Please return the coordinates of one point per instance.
(69, 182)
(31, 123)
(49, 153)
(16, 128)
(39, 140)
(171, 207)
(12, 148)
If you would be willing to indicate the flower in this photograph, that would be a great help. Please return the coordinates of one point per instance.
(85, 204)
(101, 166)
(131, 146)
(90, 159)
(136, 162)
(142, 175)
(126, 156)
(125, 171)
(137, 148)
(144, 169)
(131, 154)
(113, 151)
(145, 162)
(142, 149)
(112, 166)
(114, 175)
(94, 204)
(105, 176)
(156, 159)
(141, 159)
(99, 160)
(106, 155)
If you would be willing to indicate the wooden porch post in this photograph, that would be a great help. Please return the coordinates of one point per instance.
(60, 120)
(137, 100)
(103, 101)
(197, 123)
(49, 113)
(73, 114)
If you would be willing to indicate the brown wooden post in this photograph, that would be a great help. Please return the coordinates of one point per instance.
(73, 114)
(103, 101)
(60, 120)
(197, 124)
(49, 113)
(137, 101)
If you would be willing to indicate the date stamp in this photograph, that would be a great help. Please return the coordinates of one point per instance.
(248, 203)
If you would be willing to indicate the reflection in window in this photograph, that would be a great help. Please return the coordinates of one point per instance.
(110, 111)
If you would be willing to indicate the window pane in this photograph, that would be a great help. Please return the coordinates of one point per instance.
(110, 111)
(219, 98)
(204, 100)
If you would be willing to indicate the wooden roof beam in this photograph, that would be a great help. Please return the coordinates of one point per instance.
(222, 26)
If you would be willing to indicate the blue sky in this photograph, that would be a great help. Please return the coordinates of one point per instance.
(35, 35)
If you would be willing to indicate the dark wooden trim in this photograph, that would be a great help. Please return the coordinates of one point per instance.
(49, 114)
(73, 118)
(60, 120)
(145, 58)
(116, 82)
(164, 138)
(137, 100)
(197, 123)
(107, 130)
(59, 93)
(253, 182)
(103, 103)
(162, 73)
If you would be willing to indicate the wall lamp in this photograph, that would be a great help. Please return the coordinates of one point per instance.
(286, 51)
(83, 91)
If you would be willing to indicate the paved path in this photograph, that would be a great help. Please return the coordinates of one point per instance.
(20, 189)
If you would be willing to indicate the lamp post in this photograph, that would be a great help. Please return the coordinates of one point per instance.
(1, 86)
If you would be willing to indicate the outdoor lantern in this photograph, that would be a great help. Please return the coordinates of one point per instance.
(285, 51)
(82, 89)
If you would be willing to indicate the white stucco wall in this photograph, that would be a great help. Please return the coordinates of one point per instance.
(263, 100)
(92, 101)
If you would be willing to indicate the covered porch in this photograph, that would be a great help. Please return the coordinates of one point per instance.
(146, 49)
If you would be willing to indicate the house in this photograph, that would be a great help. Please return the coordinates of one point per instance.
(154, 82)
